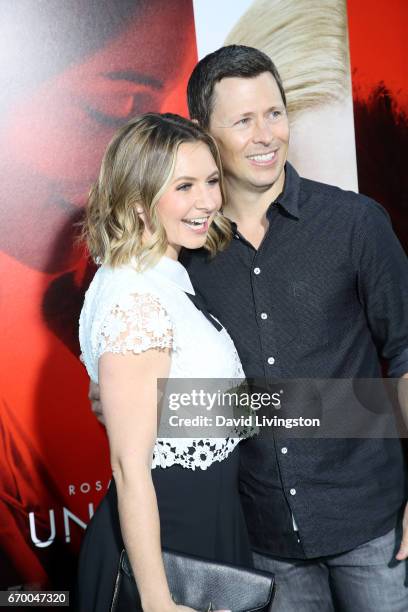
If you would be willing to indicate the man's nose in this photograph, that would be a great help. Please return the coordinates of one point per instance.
(262, 132)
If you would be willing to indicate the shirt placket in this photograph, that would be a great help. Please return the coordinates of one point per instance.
(266, 326)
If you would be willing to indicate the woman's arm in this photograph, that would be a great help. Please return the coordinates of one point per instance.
(128, 386)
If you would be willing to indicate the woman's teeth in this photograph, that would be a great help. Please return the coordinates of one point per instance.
(199, 222)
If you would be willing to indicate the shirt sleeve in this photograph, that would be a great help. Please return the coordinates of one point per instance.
(136, 323)
(383, 287)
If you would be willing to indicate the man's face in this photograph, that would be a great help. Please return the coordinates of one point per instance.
(250, 125)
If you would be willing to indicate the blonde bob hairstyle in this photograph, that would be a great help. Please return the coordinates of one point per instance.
(136, 170)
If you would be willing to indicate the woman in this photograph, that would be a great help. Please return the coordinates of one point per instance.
(159, 189)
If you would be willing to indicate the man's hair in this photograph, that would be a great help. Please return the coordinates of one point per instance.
(231, 61)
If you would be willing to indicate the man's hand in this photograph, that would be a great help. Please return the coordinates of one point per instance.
(403, 397)
(403, 401)
(95, 399)
(403, 551)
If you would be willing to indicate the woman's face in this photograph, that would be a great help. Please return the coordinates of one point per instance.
(192, 199)
(54, 139)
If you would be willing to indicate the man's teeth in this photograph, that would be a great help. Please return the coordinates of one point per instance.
(263, 158)
(196, 222)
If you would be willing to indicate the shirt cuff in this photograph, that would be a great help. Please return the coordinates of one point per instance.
(398, 366)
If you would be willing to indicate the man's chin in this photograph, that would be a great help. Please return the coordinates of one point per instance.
(264, 184)
(264, 180)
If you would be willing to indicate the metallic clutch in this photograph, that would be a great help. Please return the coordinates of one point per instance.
(200, 584)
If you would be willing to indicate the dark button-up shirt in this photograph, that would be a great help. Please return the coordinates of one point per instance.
(324, 296)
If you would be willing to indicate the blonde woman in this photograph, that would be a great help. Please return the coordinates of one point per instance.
(159, 189)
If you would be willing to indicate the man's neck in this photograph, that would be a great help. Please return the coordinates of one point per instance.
(247, 207)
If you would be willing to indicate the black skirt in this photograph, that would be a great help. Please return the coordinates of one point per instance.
(200, 514)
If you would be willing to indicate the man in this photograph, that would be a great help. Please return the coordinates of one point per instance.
(313, 285)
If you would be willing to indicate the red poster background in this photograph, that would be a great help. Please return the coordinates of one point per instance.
(379, 65)
(74, 72)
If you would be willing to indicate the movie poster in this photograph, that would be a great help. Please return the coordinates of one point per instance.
(71, 73)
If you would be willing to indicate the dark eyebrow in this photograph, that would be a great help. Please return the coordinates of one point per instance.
(134, 77)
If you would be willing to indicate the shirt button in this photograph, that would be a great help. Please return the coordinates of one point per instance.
(271, 360)
(264, 315)
(292, 491)
(284, 450)
(257, 270)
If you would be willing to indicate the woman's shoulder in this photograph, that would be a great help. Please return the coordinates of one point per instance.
(121, 289)
(110, 284)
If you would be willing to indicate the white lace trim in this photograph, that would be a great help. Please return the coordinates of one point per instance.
(192, 453)
(138, 323)
(199, 453)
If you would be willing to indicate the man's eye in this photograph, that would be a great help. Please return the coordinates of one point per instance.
(183, 187)
(243, 121)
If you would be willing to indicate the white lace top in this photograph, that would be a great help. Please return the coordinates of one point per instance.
(126, 310)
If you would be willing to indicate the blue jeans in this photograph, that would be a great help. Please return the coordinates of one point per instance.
(366, 579)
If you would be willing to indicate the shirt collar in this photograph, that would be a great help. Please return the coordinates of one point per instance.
(173, 272)
(288, 199)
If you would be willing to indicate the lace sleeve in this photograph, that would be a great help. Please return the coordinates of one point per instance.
(136, 323)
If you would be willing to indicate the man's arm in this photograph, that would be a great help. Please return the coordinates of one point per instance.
(382, 280)
(383, 287)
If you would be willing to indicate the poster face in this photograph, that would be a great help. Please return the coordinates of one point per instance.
(71, 73)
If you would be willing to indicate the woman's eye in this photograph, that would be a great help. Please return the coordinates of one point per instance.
(276, 114)
(183, 187)
(214, 181)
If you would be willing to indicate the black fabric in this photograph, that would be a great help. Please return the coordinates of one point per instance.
(333, 283)
(200, 305)
(200, 514)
